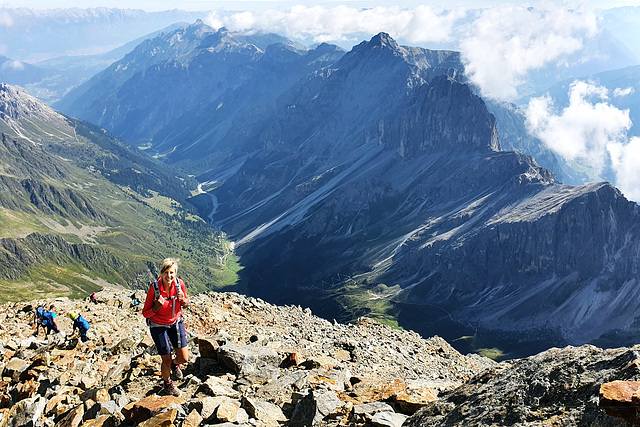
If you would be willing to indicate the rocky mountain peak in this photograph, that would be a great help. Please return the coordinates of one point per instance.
(383, 40)
(380, 44)
(16, 102)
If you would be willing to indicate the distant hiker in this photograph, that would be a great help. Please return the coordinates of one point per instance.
(135, 302)
(163, 310)
(119, 302)
(48, 320)
(38, 315)
(93, 298)
(81, 324)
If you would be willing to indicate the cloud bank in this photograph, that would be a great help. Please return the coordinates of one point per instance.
(422, 24)
(504, 44)
(591, 132)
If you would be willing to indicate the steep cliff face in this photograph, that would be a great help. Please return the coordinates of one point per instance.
(406, 185)
(556, 257)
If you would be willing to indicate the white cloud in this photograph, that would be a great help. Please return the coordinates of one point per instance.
(13, 65)
(506, 43)
(5, 19)
(591, 131)
(618, 93)
(625, 159)
(422, 24)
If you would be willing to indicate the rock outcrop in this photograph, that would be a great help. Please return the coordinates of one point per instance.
(559, 387)
(621, 399)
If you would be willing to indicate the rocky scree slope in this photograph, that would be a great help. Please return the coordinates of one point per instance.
(252, 363)
(258, 364)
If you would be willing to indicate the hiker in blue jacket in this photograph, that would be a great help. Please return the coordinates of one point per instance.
(81, 324)
(48, 320)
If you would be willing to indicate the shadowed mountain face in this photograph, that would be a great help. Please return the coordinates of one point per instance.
(376, 185)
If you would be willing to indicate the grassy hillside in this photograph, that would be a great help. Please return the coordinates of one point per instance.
(80, 209)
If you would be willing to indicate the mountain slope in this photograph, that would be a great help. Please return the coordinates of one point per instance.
(80, 207)
(376, 185)
(350, 188)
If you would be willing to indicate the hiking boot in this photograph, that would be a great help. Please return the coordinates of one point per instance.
(170, 388)
(176, 371)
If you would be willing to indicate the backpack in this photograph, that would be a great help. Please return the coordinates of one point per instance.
(82, 322)
(156, 291)
(40, 312)
(47, 317)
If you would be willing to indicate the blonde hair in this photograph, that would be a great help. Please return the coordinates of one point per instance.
(168, 263)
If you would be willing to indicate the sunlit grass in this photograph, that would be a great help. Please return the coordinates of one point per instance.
(491, 353)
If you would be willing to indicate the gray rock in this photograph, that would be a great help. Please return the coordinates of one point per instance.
(314, 407)
(216, 386)
(26, 413)
(14, 368)
(265, 412)
(388, 419)
(246, 358)
(102, 408)
(117, 373)
(366, 411)
(207, 406)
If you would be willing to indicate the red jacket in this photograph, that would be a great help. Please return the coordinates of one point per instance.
(171, 310)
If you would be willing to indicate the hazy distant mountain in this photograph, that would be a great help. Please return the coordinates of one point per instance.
(80, 207)
(623, 86)
(18, 73)
(190, 72)
(57, 76)
(36, 35)
(624, 24)
(45, 83)
(602, 53)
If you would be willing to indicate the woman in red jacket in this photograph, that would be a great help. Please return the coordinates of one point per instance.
(163, 311)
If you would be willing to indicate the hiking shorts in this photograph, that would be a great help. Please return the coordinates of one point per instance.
(174, 334)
